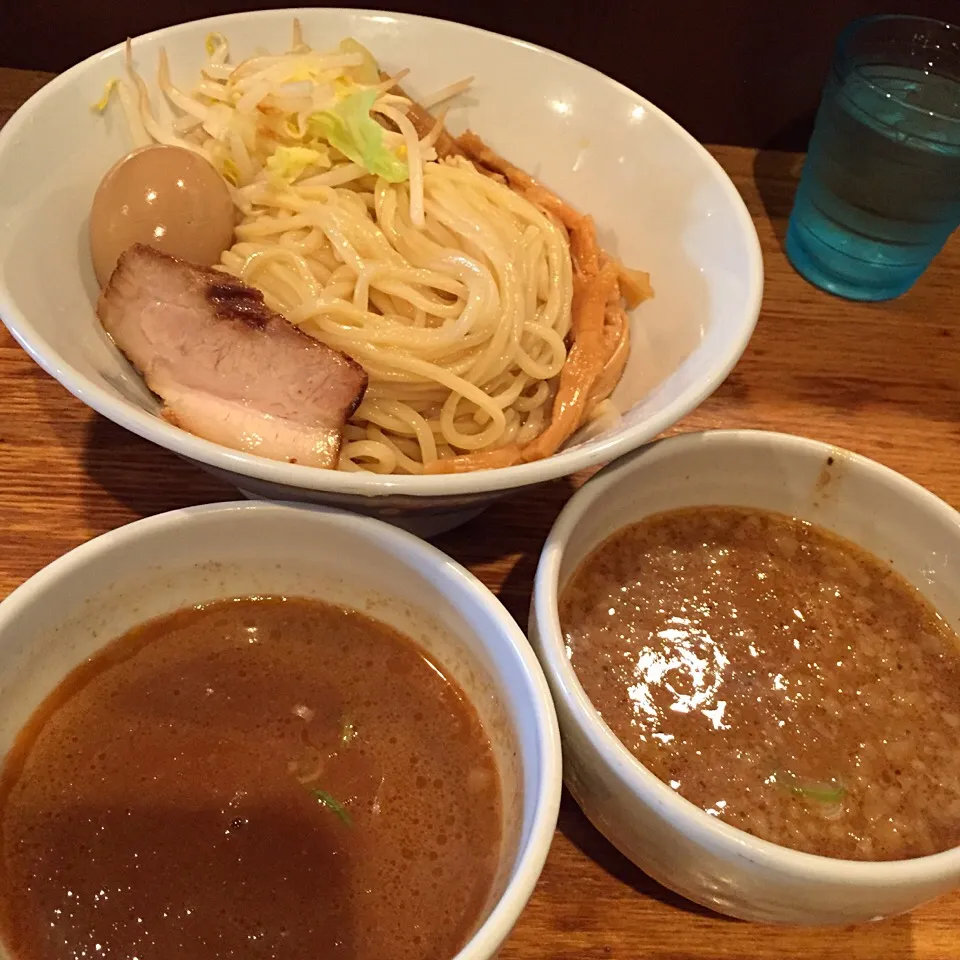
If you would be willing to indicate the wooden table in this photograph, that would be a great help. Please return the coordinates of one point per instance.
(883, 380)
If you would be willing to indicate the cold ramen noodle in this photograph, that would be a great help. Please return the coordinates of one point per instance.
(778, 677)
(487, 320)
(253, 778)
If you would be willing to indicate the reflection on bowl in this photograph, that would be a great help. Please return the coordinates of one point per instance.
(101, 590)
(675, 842)
(660, 201)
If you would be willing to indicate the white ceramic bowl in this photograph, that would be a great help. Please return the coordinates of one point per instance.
(661, 202)
(668, 837)
(103, 588)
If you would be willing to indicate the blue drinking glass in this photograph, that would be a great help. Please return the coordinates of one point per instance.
(880, 190)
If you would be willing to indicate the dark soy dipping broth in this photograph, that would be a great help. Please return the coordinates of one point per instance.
(255, 779)
(778, 677)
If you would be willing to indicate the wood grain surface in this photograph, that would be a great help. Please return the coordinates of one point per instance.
(883, 380)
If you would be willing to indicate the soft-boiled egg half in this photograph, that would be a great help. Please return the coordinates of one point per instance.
(167, 197)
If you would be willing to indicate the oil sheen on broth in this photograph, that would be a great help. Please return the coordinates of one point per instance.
(776, 676)
(256, 778)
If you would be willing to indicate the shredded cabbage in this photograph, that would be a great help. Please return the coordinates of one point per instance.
(216, 47)
(367, 70)
(108, 89)
(350, 129)
(290, 163)
(230, 172)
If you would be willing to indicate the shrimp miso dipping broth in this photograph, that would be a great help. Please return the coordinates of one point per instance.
(251, 778)
(777, 676)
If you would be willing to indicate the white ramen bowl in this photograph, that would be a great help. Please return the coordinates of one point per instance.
(98, 591)
(660, 200)
(671, 839)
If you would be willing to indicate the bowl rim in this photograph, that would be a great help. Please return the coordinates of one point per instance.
(644, 786)
(449, 577)
(588, 454)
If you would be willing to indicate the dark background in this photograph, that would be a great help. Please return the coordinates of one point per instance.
(731, 71)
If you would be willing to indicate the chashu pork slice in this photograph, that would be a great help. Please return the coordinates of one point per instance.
(226, 367)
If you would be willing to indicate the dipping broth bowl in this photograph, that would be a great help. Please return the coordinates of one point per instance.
(669, 838)
(107, 586)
